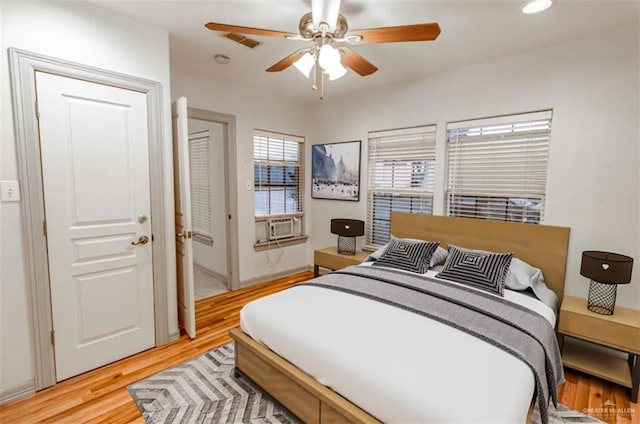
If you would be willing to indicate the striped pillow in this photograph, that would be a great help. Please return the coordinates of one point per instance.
(482, 270)
(408, 255)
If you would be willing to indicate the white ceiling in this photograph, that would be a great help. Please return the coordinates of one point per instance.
(473, 31)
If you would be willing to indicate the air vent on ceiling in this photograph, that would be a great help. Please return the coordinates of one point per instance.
(241, 39)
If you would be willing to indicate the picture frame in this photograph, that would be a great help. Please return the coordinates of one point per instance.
(335, 171)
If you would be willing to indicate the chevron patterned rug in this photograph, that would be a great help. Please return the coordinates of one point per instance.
(204, 390)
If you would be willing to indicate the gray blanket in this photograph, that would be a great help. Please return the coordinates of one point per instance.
(513, 328)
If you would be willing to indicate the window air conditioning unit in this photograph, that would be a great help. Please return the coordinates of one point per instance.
(280, 228)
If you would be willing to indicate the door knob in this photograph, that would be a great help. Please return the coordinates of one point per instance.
(142, 240)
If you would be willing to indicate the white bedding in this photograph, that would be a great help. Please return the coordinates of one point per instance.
(396, 365)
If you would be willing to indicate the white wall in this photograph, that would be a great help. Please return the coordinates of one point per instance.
(90, 35)
(254, 108)
(214, 257)
(593, 181)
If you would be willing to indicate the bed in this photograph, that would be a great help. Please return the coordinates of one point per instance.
(378, 365)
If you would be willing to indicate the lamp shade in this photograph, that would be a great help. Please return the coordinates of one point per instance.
(606, 267)
(305, 64)
(347, 227)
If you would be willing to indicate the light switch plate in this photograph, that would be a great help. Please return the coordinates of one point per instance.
(10, 191)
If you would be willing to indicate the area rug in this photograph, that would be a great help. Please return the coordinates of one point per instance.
(204, 390)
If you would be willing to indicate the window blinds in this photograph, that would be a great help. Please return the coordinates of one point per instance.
(401, 177)
(277, 173)
(200, 184)
(497, 167)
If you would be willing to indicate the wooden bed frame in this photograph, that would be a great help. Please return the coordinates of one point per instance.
(544, 247)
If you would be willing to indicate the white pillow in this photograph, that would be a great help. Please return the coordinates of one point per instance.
(439, 257)
(521, 275)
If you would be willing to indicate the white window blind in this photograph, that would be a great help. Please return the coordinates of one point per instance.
(277, 173)
(401, 177)
(497, 167)
(200, 185)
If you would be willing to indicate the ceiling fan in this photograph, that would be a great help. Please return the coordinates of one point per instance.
(328, 31)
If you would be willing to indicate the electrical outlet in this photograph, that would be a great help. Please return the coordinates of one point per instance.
(10, 191)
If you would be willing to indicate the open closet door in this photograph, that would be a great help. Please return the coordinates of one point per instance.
(184, 241)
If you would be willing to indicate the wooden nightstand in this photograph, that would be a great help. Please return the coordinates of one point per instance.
(330, 258)
(620, 331)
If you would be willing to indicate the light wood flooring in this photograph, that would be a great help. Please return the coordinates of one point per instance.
(100, 396)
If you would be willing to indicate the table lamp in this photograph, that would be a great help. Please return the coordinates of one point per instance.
(347, 231)
(606, 270)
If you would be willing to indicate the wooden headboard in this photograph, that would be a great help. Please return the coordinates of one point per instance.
(542, 246)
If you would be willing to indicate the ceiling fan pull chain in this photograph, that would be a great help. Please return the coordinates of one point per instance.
(318, 80)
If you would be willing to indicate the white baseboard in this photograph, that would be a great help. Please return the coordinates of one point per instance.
(23, 390)
(174, 336)
(265, 278)
(211, 272)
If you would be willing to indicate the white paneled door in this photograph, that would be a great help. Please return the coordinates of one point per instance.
(184, 241)
(95, 170)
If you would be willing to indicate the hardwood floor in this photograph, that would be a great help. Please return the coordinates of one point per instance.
(100, 396)
(588, 394)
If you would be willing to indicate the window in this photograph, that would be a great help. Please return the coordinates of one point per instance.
(401, 177)
(497, 167)
(277, 167)
(200, 186)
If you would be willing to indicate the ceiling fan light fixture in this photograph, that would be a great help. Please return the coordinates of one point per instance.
(336, 72)
(325, 11)
(536, 6)
(305, 64)
(328, 57)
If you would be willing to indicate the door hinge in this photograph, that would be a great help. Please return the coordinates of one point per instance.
(37, 111)
(53, 337)
(44, 227)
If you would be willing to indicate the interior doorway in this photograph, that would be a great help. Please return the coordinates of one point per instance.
(202, 137)
(208, 207)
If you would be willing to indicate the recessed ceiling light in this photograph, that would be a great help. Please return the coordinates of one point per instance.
(535, 6)
(222, 59)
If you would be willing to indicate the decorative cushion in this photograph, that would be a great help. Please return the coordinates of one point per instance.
(408, 255)
(438, 258)
(483, 270)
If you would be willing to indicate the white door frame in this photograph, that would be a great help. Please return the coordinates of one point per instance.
(231, 193)
(23, 65)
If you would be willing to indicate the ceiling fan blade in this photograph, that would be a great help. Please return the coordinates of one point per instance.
(248, 30)
(397, 34)
(287, 61)
(356, 62)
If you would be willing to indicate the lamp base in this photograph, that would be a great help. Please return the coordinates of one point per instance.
(602, 298)
(346, 245)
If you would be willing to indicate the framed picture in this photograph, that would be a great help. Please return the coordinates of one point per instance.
(335, 171)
